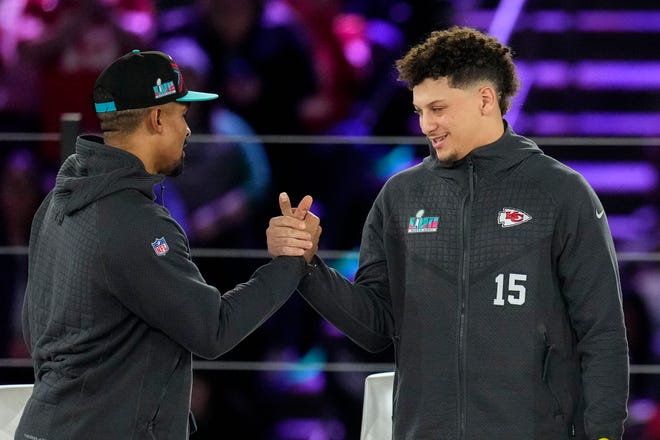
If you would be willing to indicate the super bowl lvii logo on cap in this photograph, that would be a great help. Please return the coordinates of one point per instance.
(164, 89)
(161, 90)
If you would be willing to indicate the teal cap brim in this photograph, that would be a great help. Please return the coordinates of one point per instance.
(197, 96)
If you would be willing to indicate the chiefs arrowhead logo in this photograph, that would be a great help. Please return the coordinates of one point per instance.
(512, 217)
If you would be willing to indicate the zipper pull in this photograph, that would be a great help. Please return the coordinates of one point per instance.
(471, 178)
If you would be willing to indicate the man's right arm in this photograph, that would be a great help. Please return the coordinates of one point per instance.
(148, 268)
(362, 311)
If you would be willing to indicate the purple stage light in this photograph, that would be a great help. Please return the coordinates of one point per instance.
(556, 21)
(628, 75)
(505, 18)
(618, 21)
(590, 124)
(618, 177)
(632, 231)
(309, 429)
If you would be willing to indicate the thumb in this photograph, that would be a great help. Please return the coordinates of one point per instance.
(285, 205)
(303, 207)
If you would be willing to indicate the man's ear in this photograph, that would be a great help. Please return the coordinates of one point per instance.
(154, 119)
(488, 99)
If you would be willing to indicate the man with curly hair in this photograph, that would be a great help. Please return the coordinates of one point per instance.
(489, 266)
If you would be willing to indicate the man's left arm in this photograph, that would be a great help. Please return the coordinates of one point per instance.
(588, 269)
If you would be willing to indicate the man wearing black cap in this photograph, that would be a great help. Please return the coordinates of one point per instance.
(115, 307)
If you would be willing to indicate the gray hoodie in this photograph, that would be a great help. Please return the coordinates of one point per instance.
(115, 307)
(496, 280)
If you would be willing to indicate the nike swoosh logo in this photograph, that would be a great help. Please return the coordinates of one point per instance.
(599, 214)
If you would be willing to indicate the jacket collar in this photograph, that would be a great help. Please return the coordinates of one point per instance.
(97, 170)
(491, 159)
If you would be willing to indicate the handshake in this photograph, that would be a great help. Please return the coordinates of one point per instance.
(296, 232)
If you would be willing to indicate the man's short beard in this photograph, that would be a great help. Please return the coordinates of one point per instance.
(177, 170)
(450, 160)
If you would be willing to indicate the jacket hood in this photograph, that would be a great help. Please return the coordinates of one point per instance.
(500, 155)
(96, 171)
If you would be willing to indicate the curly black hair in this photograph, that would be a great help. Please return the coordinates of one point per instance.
(464, 56)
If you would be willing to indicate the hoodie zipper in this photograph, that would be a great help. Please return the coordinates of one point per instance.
(463, 295)
(152, 422)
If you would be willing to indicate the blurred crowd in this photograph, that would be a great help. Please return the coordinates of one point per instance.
(281, 67)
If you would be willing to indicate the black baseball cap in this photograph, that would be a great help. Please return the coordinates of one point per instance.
(140, 80)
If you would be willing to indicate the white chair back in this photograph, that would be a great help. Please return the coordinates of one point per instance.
(377, 407)
(12, 402)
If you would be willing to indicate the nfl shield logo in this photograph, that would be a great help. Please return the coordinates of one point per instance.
(160, 246)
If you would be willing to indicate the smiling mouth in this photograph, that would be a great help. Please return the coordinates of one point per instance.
(436, 141)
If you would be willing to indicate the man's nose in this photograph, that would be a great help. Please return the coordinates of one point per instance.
(427, 123)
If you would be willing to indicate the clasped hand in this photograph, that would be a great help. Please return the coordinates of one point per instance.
(296, 232)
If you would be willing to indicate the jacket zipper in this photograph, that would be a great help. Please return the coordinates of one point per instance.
(547, 357)
(151, 425)
(464, 292)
